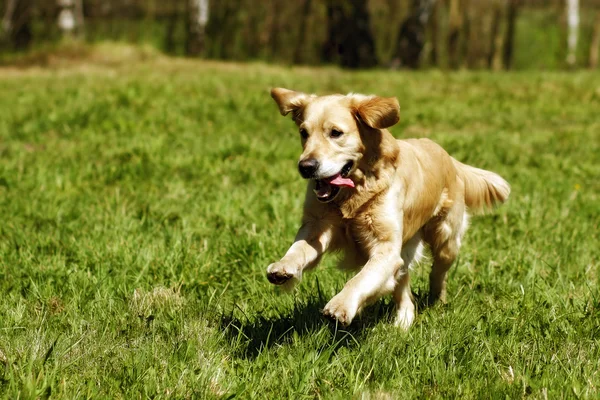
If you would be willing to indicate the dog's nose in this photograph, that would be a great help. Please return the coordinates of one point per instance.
(308, 168)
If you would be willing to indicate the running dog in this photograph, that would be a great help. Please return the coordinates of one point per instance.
(378, 200)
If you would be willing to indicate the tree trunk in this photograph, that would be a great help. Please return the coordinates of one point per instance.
(197, 18)
(171, 25)
(474, 43)
(511, 17)
(17, 23)
(349, 39)
(454, 27)
(170, 33)
(435, 57)
(495, 39)
(573, 24)
(79, 19)
(221, 28)
(275, 27)
(66, 17)
(335, 19)
(466, 33)
(70, 17)
(7, 19)
(412, 33)
(46, 15)
(595, 43)
(299, 52)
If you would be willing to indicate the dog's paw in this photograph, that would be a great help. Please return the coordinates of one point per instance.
(278, 274)
(405, 316)
(340, 309)
(436, 297)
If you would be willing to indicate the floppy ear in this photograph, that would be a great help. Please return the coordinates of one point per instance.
(378, 112)
(289, 100)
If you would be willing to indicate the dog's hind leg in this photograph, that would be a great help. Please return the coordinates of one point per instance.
(445, 241)
(412, 252)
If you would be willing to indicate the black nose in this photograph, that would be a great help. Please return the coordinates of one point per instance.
(308, 168)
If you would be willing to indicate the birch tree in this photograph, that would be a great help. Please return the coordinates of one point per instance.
(198, 14)
(573, 30)
(70, 17)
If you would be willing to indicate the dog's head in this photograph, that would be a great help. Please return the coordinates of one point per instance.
(336, 132)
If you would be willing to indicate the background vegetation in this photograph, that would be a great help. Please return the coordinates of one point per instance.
(142, 198)
(474, 34)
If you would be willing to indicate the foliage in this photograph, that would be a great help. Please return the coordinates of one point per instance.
(304, 32)
(141, 203)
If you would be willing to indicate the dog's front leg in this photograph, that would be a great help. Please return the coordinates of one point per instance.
(377, 278)
(313, 239)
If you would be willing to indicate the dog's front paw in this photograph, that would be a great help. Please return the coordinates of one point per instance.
(340, 309)
(279, 274)
(405, 315)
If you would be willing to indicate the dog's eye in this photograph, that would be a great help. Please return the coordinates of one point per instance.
(335, 133)
(303, 133)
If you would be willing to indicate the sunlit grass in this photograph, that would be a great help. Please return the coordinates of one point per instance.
(141, 203)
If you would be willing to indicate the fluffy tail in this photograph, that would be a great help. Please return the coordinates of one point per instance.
(483, 189)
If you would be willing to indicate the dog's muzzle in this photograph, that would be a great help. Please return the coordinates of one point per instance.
(308, 168)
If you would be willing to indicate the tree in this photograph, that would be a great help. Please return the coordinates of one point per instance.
(172, 15)
(411, 39)
(573, 24)
(8, 15)
(349, 38)
(454, 27)
(509, 41)
(435, 32)
(196, 32)
(70, 17)
(299, 51)
(17, 23)
(595, 43)
(494, 54)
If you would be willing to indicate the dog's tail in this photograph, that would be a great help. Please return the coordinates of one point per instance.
(483, 189)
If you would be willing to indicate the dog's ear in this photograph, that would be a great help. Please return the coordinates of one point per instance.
(378, 112)
(289, 100)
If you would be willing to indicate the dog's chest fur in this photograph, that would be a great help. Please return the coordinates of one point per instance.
(376, 220)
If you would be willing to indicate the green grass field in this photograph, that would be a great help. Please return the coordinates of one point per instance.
(140, 204)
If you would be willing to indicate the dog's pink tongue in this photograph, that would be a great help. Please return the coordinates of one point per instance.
(338, 180)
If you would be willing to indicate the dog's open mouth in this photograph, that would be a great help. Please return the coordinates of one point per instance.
(327, 188)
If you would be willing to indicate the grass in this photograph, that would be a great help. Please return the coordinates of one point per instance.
(141, 203)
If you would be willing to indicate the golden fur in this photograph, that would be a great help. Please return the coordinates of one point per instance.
(407, 193)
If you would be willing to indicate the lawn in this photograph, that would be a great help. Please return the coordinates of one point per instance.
(141, 203)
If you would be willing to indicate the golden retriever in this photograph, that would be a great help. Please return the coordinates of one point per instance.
(378, 200)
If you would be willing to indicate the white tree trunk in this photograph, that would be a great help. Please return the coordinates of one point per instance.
(198, 18)
(70, 17)
(573, 24)
(66, 16)
(203, 14)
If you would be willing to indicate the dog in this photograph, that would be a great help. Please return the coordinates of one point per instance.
(378, 200)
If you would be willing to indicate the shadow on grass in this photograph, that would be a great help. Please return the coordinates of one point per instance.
(250, 336)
